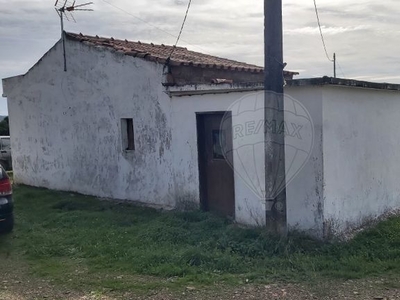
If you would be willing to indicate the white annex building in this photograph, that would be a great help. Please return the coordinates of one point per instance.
(125, 122)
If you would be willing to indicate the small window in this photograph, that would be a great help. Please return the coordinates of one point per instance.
(128, 134)
(218, 139)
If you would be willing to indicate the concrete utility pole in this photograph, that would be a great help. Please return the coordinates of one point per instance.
(334, 65)
(274, 114)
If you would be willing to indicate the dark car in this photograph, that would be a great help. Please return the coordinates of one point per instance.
(6, 203)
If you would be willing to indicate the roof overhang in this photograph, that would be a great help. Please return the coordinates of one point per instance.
(203, 89)
(330, 81)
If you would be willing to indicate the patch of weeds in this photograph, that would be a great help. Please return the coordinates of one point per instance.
(195, 257)
(71, 206)
(119, 238)
(6, 245)
(186, 204)
(193, 216)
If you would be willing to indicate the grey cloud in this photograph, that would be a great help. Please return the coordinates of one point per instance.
(256, 15)
(232, 29)
(179, 3)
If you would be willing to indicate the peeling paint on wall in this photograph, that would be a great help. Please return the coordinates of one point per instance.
(66, 134)
(71, 139)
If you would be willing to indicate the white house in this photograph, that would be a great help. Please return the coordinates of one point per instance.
(175, 128)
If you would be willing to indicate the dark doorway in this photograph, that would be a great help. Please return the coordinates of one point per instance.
(217, 192)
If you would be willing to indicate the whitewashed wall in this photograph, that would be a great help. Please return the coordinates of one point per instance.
(304, 191)
(66, 129)
(66, 135)
(249, 209)
(361, 141)
(305, 184)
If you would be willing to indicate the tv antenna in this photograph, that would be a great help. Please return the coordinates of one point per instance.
(65, 9)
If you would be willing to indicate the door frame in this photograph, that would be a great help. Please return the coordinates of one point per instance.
(200, 116)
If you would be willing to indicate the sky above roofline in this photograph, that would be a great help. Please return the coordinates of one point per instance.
(363, 33)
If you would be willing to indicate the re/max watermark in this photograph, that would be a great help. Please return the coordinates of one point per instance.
(254, 128)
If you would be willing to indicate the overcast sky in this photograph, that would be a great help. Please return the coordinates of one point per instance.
(364, 34)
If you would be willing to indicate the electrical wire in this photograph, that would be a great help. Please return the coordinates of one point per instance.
(154, 26)
(320, 31)
(340, 69)
(180, 32)
(140, 19)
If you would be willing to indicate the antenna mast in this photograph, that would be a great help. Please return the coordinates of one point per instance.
(62, 10)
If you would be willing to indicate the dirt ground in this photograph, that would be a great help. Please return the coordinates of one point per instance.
(14, 286)
(18, 283)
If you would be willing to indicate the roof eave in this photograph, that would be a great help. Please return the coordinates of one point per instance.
(325, 81)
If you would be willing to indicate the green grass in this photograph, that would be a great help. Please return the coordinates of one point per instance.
(78, 239)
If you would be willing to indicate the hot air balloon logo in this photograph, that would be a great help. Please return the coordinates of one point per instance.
(246, 154)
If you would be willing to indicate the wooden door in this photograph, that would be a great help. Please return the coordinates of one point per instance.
(216, 174)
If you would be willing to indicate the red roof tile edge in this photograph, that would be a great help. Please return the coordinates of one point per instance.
(160, 53)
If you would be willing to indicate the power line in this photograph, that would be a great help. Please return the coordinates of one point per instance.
(340, 69)
(320, 31)
(152, 25)
(140, 19)
(180, 32)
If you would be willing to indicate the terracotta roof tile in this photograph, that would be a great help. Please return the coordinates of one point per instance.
(160, 53)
